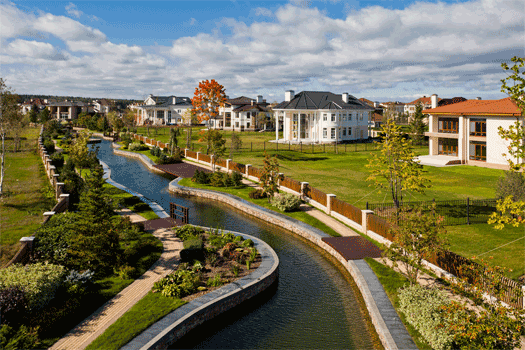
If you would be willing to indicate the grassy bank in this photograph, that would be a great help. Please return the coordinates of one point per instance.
(131, 202)
(244, 194)
(27, 194)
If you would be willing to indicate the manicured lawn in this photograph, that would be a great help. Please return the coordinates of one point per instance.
(391, 282)
(27, 195)
(147, 311)
(244, 194)
(507, 246)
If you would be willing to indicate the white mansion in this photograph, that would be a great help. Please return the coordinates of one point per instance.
(162, 110)
(320, 117)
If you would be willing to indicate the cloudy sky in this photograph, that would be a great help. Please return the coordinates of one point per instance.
(382, 50)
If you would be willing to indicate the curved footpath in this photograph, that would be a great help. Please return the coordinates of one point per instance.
(388, 325)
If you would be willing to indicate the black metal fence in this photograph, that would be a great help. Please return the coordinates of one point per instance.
(454, 212)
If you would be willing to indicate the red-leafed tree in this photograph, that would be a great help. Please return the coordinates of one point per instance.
(208, 97)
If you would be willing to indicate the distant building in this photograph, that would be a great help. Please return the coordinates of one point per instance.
(410, 108)
(36, 103)
(240, 113)
(103, 106)
(467, 133)
(320, 117)
(68, 110)
(162, 110)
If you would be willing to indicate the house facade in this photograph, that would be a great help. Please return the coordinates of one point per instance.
(427, 102)
(321, 117)
(68, 110)
(36, 104)
(103, 106)
(241, 114)
(162, 110)
(467, 133)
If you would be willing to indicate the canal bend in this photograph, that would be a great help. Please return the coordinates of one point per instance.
(313, 305)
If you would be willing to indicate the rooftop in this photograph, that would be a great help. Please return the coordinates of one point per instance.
(322, 100)
(503, 107)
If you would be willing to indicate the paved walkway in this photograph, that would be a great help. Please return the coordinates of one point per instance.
(93, 326)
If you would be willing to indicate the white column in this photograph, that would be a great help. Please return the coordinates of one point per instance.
(276, 126)
(298, 126)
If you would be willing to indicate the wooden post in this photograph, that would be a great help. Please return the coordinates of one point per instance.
(329, 203)
(364, 220)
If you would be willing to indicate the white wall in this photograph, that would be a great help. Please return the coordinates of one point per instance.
(496, 146)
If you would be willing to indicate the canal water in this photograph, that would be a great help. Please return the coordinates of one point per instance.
(312, 306)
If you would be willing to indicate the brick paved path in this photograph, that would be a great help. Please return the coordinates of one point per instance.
(93, 326)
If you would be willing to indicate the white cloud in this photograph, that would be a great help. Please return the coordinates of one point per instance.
(457, 46)
(73, 10)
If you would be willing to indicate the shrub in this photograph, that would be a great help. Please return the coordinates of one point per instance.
(125, 272)
(57, 159)
(39, 281)
(512, 183)
(215, 281)
(22, 338)
(423, 309)
(236, 178)
(247, 243)
(201, 177)
(218, 179)
(286, 202)
(257, 194)
(193, 243)
(77, 283)
(51, 242)
(135, 146)
(178, 284)
(13, 303)
(49, 145)
(186, 231)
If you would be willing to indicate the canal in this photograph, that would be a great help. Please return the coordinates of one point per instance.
(313, 305)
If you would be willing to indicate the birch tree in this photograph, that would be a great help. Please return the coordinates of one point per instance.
(9, 114)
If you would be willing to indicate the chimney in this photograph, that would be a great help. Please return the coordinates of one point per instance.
(376, 104)
(174, 100)
(345, 97)
(434, 100)
(478, 98)
(259, 99)
(289, 95)
(252, 101)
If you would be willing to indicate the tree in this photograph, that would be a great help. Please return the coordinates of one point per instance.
(513, 211)
(33, 115)
(116, 122)
(394, 167)
(269, 179)
(8, 113)
(188, 137)
(216, 144)
(417, 236)
(79, 151)
(44, 116)
(261, 119)
(417, 125)
(130, 119)
(208, 97)
(174, 132)
(236, 143)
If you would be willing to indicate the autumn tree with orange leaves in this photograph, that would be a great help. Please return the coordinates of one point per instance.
(208, 97)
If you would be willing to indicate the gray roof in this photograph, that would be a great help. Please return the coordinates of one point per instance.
(166, 101)
(322, 100)
(68, 104)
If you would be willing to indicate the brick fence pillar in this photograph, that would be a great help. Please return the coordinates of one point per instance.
(364, 220)
(66, 196)
(59, 189)
(198, 156)
(211, 160)
(329, 203)
(228, 165)
(185, 154)
(55, 179)
(303, 189)
(247, 166)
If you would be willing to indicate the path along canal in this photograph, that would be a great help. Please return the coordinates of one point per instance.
(313, 305)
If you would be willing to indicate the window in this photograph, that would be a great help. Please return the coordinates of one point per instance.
(333, 118)
(339, 132)
(248, 115)
(169, 116)
(349, 131)
(325, 134)
(160, 114)
(448, 147)
(344, 131)
(478, 127)
(361, 116)
(325, 117)
(478, 151)
(247, 125)
(236, 124)
(448, 125)
(350, 117)
(294, 125)
(332, 133)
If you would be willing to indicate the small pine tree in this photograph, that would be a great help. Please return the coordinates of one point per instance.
(417, 125)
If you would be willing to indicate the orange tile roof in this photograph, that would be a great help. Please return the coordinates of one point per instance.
(424, 100)
(503, 107)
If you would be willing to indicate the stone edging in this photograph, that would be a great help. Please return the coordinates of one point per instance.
(308, 233)
(148, 162)
(179, 322)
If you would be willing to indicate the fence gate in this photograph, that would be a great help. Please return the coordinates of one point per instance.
(178, 212)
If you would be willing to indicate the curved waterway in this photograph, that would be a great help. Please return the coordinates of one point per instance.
(313, 305)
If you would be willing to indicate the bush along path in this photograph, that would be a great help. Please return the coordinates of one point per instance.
(88, 330)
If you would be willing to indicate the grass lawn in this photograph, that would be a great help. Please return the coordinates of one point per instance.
(131, 202)
(147, 311)
(392, 281)
(263, 202)
(27, 194)
(507, 246)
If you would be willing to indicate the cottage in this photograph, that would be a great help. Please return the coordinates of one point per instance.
(163, 110)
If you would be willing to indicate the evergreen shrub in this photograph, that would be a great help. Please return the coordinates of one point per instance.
(286, 202)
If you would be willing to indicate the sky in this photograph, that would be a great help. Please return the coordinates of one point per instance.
(382, 50)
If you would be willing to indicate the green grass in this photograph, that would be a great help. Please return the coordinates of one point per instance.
(244, 194)
(391, 282)
(27, 194)
(480, 239)
(147, 311)
(131, 202)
